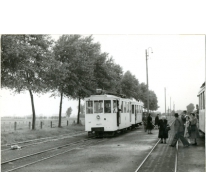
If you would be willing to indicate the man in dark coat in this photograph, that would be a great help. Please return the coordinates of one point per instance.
(157, 120)
(184, 116)
(163, 131)
(179, 132)
(144, 120)
(149, 124)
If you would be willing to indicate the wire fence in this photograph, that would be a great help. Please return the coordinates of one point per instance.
(23, 124)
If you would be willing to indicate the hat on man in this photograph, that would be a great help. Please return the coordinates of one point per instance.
(176, 115)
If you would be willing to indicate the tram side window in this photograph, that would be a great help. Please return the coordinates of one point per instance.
(98, 106)
(89, 107)
(132, 109)
(107, 106)
(122, 107)
(203, 94)
(114, 106)
(128, 107)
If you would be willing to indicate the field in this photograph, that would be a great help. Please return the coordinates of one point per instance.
(23, 132)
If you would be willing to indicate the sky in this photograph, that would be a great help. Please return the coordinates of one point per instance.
(177, 64)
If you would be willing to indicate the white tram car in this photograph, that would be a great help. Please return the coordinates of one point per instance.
(201, 96)
(106, 114)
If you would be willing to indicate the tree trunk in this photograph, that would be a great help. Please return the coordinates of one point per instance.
(60, 110)
(33, 110)
(78, 111)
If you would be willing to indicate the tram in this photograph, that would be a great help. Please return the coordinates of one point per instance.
(108, 113)
(201, 96)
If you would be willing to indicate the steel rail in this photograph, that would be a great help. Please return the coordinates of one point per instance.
(149, 153)
(27, 141)
(176, 157)
(49, 140)
(40, 152)
(51, 156)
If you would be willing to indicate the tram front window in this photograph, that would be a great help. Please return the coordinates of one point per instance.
(98, 106)
(107, 106)
(89, 107)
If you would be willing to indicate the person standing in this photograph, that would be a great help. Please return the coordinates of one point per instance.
(149, 124)
(157, 120)
(144, 120)
(194, 130)
(184, 116)
(179, 132)
(187, 132)
(163, 130)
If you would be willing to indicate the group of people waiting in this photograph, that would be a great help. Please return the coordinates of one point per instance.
(185, 128)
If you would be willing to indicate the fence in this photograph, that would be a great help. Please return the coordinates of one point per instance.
(15, 125)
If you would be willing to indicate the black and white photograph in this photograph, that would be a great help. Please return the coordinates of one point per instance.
(102, 102)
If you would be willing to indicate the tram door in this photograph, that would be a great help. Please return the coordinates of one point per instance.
(135, 112)
(117, 110)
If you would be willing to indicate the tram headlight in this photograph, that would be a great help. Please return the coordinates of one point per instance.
(98, 117)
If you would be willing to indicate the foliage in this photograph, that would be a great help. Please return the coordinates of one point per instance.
(130, 86)
(25, 60)
(69, 112)
(190, 108)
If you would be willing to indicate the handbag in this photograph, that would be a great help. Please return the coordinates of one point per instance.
(189, 129)
(168, 128)
(193, 127)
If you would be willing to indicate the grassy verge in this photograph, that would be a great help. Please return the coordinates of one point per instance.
(23, 135)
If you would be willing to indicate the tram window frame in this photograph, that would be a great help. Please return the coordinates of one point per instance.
(128, 107)
(125, 107)
(114, 109)
(88, 107)
(201, 101)
(122, 107)
(100, 109)
(132, 108)
(105, 108)
(203, 95)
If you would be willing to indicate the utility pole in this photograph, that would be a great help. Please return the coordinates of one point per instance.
(147, 85)
(165, 102)
(170, 106)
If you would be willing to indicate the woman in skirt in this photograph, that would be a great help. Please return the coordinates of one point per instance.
(194, 130)
(149, 124)
(187, 132)
(163, 129)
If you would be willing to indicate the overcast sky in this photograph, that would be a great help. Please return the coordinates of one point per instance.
(177, 63)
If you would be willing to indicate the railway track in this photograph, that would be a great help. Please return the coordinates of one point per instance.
(33, 142)
(24, 161)
(153, 148)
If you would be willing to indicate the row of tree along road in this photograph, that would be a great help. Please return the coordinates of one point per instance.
(72, 67)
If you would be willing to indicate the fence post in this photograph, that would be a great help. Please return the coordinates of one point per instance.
(51, 124)
(67, 122)
(29, 125)
(15, 124)
(41, 124)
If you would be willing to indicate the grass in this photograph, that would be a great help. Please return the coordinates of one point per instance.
(8, 137)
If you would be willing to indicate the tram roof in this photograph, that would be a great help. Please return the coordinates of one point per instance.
(101, 96)
(202, 88)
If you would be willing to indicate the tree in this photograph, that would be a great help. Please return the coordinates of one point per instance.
(24, 64)
(130, 86)
(69, 112)
(153, 102)
(190, 108)
(72, 76)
